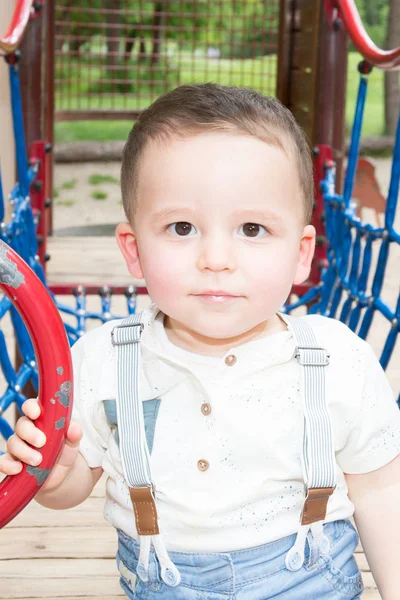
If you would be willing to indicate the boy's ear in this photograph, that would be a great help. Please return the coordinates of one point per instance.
(306, 253)
(127, 243)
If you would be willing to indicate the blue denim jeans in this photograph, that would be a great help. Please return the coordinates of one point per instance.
(253, 574)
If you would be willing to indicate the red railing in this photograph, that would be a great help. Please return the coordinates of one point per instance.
(19, 21)
(386, 60)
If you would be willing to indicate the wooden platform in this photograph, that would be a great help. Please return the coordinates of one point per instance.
(84, 259)
(70, 554)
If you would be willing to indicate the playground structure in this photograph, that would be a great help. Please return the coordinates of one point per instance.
(355, 257)
(353, 262)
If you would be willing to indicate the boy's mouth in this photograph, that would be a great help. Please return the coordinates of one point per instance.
(216, 296)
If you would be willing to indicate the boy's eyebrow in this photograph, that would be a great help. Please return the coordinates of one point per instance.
(259, 215)
(256, 215)
(170, 212)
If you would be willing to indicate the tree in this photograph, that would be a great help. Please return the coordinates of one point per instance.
(392, 86)
(372, 11)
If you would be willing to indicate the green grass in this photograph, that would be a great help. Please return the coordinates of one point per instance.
(96, 179)
(374, 117)
(99, 131)
(65, 202)
(259, 73)
(99, 195)
(69, 185)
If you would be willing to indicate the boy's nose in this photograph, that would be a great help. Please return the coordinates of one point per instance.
(217, 254)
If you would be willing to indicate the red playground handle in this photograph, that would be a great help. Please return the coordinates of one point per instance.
(384, 59)
(39, 313)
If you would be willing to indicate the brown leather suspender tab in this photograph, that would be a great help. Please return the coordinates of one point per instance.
(145, 510)
(315, 505)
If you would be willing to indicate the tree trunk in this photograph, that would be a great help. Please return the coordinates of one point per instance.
(392, 86)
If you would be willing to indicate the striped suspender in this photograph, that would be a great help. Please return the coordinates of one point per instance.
(319, 464)
(318, 451)
(134, 451)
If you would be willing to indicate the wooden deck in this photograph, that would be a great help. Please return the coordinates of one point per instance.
(70, 554)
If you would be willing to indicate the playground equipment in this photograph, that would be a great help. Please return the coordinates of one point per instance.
(53, 370)
(350, 287)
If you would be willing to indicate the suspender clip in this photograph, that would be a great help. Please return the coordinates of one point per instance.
(312, 356)
(123, 335)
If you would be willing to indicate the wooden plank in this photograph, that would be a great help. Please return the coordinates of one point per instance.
(63, 578)
(371, 595)
(362, 562)
(59, 568)
(90, 260)
(306, 13)
(284, 51)
(58, 542)
(71, 588)
(302, 90)
(303, 55)
(88, 514)
(304, 118)
(86, 597)
(99, 490)
(368, 580)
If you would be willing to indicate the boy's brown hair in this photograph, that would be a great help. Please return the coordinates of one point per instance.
(193, 109)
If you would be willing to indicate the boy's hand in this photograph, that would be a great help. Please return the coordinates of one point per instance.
(26, 433)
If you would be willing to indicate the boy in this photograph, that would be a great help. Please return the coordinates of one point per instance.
(217, 187)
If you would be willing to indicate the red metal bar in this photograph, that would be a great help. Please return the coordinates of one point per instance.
(39, 313)
(386, 60)
(39, 194)
(19, 21)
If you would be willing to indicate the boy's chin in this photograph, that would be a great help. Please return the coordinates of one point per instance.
(215, 330)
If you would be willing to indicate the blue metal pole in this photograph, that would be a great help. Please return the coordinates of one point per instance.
(19, 134)
(355, 137)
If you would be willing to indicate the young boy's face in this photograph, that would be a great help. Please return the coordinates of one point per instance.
(218, 232)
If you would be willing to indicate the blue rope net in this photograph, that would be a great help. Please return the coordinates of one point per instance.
(350, 288)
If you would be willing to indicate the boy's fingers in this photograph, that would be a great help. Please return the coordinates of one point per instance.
(70, 451)
(28, 432)
(74, 435)
(31, 408)
(9, 466)
(21, 451)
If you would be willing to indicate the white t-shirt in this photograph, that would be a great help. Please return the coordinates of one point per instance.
(252, 490)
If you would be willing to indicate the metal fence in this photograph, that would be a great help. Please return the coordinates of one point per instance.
(117, 56)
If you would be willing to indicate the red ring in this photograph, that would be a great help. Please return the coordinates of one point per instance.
(39, 313)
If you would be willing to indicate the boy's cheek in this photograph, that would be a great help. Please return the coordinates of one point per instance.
(166, 274)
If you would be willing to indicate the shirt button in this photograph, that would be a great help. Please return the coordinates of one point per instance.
(203, 464)
(206, 408)
(230, 360)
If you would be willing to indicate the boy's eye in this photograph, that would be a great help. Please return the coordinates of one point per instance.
(252, 230)
(181, 228)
